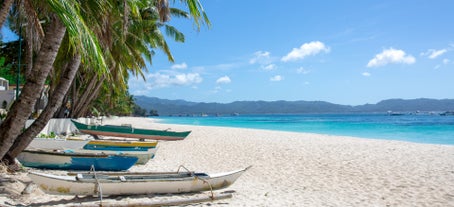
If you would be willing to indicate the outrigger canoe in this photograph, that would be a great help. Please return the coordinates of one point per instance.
(128, 131)
(129, 183)
(142, 156)
(70, 160)
(57, 143)
(120, 145)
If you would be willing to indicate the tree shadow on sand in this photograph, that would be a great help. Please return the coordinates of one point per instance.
(122, 199)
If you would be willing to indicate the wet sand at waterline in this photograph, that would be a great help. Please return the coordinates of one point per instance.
(288, 169)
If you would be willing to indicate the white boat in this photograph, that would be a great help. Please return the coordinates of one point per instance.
(130, 183)
(57, 143)
(142, 156)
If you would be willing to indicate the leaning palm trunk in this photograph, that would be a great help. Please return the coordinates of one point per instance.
(23, 106)
(29, 56)
(80, 100)
(61, 111)
(87, 96)
(56, 99)
(92, 97)
(5, 10)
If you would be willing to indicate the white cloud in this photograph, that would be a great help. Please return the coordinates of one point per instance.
(276, 78)
(437, 53)
(311, 48)
(445, 61)
(260, 57)
(161, 80)
(216, 89)
(224, 79)
(432, 54)
(269, 67)
(365, 74)
(180, 66)
(391, 56)
(301, 70)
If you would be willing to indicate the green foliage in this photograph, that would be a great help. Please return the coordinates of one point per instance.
(95, 112)
(118, 103)
(139, 111)
(154, 112)
(8, 72)
(51, 135)
(9, 60)
(2, 116)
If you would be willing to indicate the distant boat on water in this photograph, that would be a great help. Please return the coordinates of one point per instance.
(447, 113)
(393, 113)
(128, 131)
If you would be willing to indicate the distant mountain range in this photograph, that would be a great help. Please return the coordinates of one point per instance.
(181, 107)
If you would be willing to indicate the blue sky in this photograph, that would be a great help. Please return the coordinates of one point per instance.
(346, 52)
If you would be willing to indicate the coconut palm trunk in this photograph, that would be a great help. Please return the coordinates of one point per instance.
(5, 10)
(22, 108)
(79, 101)
(93, 95)
(56, 99)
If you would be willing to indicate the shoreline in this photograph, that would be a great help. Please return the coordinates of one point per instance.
(377, 137)
(298, 169)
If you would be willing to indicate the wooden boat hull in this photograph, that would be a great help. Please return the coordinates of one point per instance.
(69, 160)
(56, 143)
(120, 145)
(129, 132)
(133, 183)
(142, 156)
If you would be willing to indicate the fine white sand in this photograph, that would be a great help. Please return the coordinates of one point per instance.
(290, 169)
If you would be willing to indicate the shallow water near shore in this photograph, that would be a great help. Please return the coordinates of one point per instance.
(425, 128)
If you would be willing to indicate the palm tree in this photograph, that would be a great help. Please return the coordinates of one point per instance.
(22, 108)
(64, 16)
(131, 52)
(67, 75)
(81, 40)
(56, 98)
(5, 10)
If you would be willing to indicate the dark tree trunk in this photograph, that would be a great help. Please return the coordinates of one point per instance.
(60, 113)
(54, 102)
(93, 95)
(4, 11)
(81, 100)
(22, 108)
(28, 54)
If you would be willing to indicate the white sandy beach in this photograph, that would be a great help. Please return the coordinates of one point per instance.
(291, 169)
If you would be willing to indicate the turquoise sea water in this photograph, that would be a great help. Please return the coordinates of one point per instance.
(428, 128)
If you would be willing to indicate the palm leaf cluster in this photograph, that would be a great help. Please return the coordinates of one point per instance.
(85, 51)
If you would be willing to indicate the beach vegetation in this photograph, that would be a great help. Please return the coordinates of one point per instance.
(139, 111)
(89, 47)
(50, 135)
(153, 112)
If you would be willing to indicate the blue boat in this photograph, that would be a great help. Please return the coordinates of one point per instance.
(70, 160)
